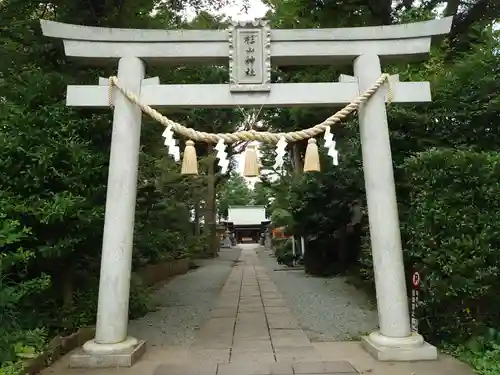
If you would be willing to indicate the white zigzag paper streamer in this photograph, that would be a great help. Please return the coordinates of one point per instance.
(280, 153)
(222, 156)
(332, 151)
(170, 142)
(330, 145)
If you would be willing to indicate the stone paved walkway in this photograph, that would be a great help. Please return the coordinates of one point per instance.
(251, 331)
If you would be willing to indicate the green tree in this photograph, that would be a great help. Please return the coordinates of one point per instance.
(54, 161)
(234, 192)
(459, 123)
(317, 201)
(261, 194)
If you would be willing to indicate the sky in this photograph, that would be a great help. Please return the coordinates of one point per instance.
(256, 10)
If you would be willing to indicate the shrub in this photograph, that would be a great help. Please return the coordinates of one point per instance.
(282, 218)
(450, 231)
(319, 205)
(482, 352)
(17, 341)
(284, 252)
(277, 241)
(321, 256)
(196, 247)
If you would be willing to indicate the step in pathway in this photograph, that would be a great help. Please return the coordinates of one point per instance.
(251, 331)
(256, 368)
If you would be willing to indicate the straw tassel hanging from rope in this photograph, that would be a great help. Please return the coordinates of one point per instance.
(311, 160)
(251, 162)
(189, 161)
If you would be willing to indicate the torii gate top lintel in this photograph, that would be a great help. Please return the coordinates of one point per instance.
(317, 46)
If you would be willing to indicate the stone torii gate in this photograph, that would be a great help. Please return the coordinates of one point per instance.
(250, 49)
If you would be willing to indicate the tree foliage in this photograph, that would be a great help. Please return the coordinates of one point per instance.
(451, 234)
(54, 166)
(261, 195)
(54, 161)
(462, 113)
(453, 182)
(234, 192)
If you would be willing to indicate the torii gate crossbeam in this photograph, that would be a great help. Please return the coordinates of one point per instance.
(104, 46)
(283, 95)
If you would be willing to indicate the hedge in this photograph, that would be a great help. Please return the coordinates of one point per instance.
(449, 207)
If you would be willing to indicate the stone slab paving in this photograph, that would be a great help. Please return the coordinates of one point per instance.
(251, 321)
(251, 331)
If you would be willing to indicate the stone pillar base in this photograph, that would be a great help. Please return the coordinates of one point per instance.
(94, 355)
(412, 348)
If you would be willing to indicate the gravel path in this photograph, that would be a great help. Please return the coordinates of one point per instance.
(328, 309)
(185, 303)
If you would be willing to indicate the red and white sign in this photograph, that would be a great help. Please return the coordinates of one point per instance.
(416, 279)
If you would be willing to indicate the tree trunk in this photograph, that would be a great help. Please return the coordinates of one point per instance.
(67, 287)
(197, 217)
(451, 8)
(298, 167)
(210, 210)
(67, 291)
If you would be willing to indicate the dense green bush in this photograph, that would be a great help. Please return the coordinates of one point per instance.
(319, 205)
(283, 251)
(277, 242)
(282, 218)
(482, 352)
(17, 339)
(449, 220)
(53, 175)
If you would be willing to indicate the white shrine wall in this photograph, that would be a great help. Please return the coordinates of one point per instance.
(246, 215)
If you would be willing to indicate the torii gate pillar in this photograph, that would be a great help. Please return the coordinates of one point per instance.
(394, 341)
(116, 258)
(250, 86)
